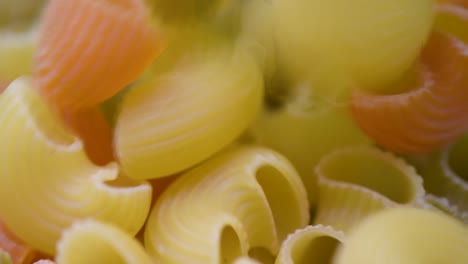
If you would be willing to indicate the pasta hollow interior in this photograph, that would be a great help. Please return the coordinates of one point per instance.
(354, 182)
(91, 241)
(241, 199)
(187, 114)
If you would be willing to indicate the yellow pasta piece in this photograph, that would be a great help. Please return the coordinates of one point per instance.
(313, 244)
(244, 199)
(47, 181)
(257, 33)
(304, 134)
(406, 236)
(355, 182)
(5, 258)
(446, 176)
(91, 241)
(374, 42)
(187, 114)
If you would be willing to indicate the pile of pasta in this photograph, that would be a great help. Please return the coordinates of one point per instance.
(260, 131)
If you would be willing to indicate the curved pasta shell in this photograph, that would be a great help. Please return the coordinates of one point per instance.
(404, 236)
(11, 247)
(89, 50)
(47, 181)
(299, 135)
(428, 117)
(243, 198)
(446, 176)
(186, 115)
(312, 244)
(16, 52)
(355, 182)
(374, 45)
(93, 129)
(92, 241)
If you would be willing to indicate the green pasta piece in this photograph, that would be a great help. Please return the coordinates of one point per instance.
(313, 244)
(238, 203)
(355, 182)
(446, 177)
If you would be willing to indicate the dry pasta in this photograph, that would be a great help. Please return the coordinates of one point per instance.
(242, 199)
(297, 130)
(237, 132)
(355, 182)
(372, 45)
(404, 236)
(99, 242)
(445, 176)
(201, 105)
(46, 172)
(433, 113)
(312, 244)
(104, 38)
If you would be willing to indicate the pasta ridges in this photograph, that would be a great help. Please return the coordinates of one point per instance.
(106, 46)
(432, 114)
(52, 181)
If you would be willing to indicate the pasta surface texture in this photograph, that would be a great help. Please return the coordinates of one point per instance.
(357, 181)
(46, 172)
(99, 242)
(244, 198)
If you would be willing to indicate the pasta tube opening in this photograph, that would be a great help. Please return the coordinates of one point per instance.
(279, 199)
(355, 182)
(370, 169)
(230, 245)
(312, 244)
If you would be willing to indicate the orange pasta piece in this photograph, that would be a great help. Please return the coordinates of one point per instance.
(88, 50)
(433, 113)
(95, 132)
(18, 251)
